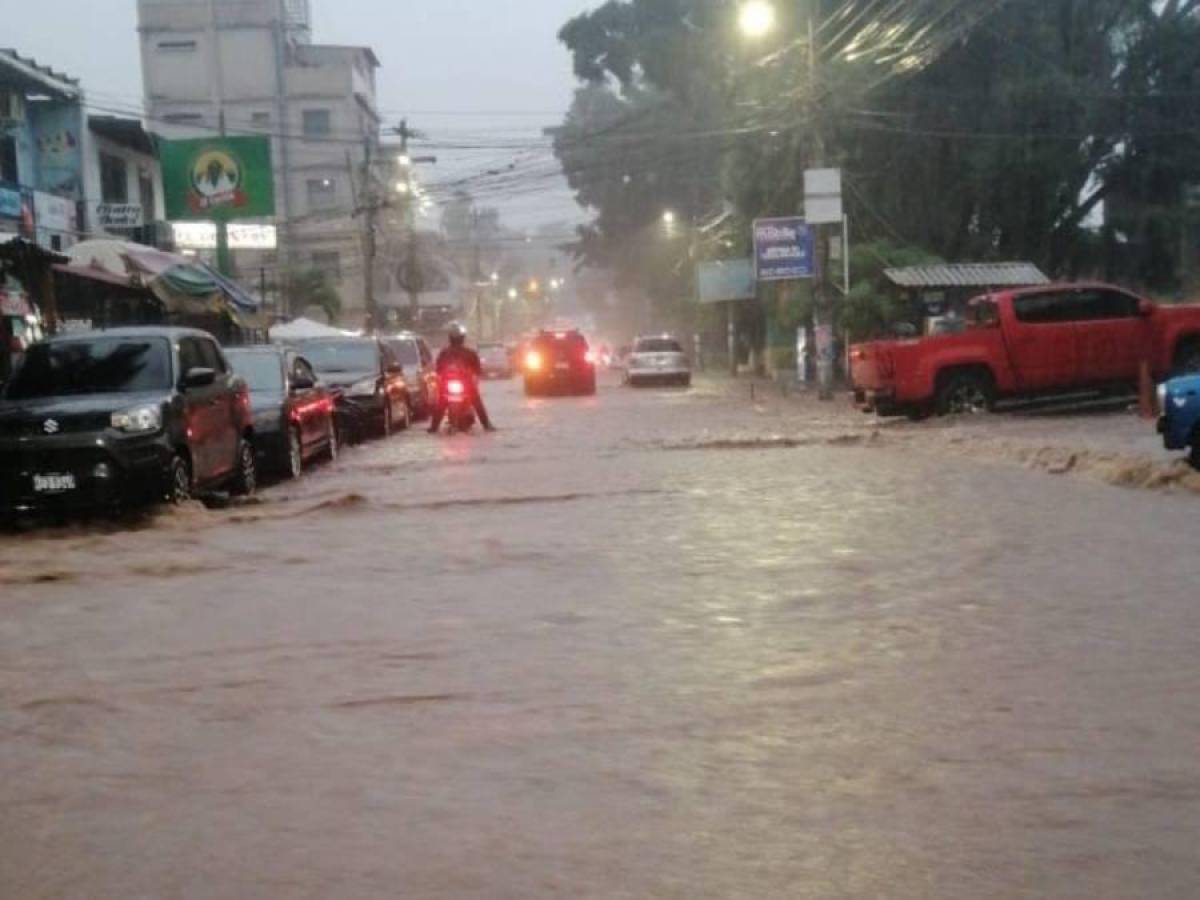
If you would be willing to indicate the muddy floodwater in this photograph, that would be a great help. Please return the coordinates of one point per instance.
(642, 645)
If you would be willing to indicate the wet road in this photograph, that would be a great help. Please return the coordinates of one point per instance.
(632, 646)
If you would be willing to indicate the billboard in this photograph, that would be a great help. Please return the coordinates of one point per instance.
(243, 236)
(218, 179)
(726, 279)
(783, 249)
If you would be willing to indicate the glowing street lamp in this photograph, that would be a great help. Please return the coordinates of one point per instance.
(512, 293)
(404, 160)
(668, 217)
(756, 18)
(402, 187)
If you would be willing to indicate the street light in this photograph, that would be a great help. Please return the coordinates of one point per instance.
(495, 277)
(512, 293)
(756, 18)
(402, 187)
(668, 217)
(404, 160)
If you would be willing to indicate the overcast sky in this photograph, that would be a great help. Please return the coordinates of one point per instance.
(488, 74)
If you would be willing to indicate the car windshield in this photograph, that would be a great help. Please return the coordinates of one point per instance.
(342, 356)
(96, 366)
(406, 352)
(657, 345)
(262, 371)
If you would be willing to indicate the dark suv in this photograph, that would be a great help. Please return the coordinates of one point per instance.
(559, 362)
(102, 419)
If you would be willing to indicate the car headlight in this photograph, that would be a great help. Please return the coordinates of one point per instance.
(138, 420)
(1162, 398)
(368, 387)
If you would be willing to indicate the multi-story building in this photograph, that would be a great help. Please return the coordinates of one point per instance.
(249, 67)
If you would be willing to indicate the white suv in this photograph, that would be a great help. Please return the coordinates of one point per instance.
(658, 360)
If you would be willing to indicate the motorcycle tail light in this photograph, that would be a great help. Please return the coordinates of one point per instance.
(589, 356)
(455, 388)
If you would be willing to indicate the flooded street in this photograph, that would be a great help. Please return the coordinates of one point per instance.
(647, 644)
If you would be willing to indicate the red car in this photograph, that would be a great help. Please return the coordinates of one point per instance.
(1022, 343)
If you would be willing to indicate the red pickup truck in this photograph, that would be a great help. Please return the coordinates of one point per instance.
(1022, 343)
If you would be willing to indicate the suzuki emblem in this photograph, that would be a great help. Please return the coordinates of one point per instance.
(50, 426)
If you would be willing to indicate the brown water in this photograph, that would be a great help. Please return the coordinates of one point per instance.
(641, 645)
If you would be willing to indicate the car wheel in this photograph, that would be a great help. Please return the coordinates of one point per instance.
(965, 393)
(294, 464)
(245, 479)
(179, 481)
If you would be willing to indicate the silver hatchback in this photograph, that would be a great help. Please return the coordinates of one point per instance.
(658, 360)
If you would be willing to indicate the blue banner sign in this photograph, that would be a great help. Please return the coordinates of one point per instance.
(783, 249)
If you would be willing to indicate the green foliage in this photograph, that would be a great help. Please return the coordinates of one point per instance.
(982, 131)
(312, 287)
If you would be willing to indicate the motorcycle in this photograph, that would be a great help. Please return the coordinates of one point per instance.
(460, 411)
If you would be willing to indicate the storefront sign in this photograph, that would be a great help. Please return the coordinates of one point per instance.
(56, 217)
(119, 215)
(242, 236)
(218, 179)
(56, 128)
(783, 249)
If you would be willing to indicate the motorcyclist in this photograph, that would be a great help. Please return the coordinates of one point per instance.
(457, 356)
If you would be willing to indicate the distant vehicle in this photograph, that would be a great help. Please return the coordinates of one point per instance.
(374, 396)
(657, 360)
(413, 354)
(1179, 422)
(1023, 343)
(105, 419)
(559, 362)
(294, 419)
(496, 361)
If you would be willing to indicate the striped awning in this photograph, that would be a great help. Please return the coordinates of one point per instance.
(969, 275)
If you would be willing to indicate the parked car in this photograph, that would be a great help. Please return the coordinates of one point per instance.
(294, 420)
(413, 354)
(657, 360)
(374, 397)
(1022, 343)
(104, 419)
(559, 362)
(496, 361)
(1179, 419)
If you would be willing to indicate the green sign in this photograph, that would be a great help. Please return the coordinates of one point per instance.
(218, 179)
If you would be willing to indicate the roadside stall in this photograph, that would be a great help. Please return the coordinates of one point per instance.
(109, 283)
(26, 297)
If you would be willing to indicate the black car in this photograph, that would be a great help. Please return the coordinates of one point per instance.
(559, 362)
(293, 413)
(102, 419)
(414, 355)
(373, 396)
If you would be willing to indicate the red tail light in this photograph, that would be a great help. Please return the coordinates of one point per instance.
(455, 388)
(589, 356)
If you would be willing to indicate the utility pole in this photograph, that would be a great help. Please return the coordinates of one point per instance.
(822, 308)
(370, 242)
(283, 233)
(412, 259)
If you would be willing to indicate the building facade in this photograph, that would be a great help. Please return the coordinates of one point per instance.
(247, 67)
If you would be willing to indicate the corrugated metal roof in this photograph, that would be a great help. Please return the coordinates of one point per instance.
(974, 275)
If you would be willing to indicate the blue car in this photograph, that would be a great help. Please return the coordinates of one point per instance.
(1179, 424)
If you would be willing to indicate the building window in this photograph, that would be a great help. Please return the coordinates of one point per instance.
(322, 193)
(260, 119)
(114, 179)
(317, 122)
(329, 262)
(8, 158)
(146, 192)
(177, 46)
(184, 118)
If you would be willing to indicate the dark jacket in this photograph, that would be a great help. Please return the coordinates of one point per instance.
(462, 358)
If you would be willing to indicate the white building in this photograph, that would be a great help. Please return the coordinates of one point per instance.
(248, 67)
(122, 181)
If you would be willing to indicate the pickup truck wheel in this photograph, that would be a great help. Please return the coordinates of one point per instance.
(245, 478)
(965, 393)
(1187, 359)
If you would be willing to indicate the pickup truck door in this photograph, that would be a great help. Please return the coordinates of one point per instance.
(1112, 337)
(201, 412)
(1042, 340)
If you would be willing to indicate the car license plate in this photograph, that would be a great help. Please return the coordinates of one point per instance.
(53, 484)
(562, 366)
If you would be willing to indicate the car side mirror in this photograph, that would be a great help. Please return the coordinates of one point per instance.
(303, 384)
(1145, 308)
(199, 377)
